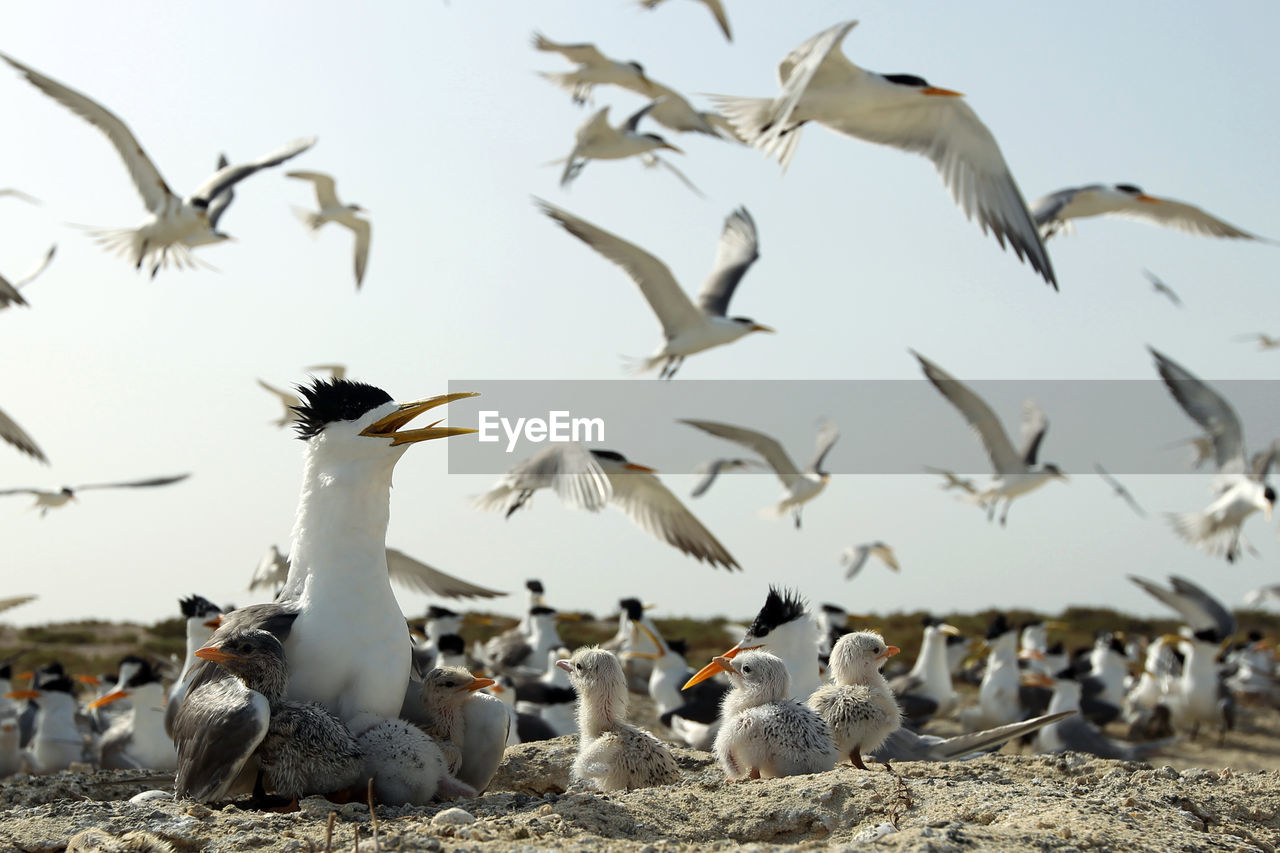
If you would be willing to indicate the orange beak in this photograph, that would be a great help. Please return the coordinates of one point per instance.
(389, 427)
(214, 654)
(1150, 198)
(940, 92)
(716, 665)
(92, 680)
(631, 466)
(23, 694)
(214, 622)
(476, 684)
(113, 696)
(889, 652)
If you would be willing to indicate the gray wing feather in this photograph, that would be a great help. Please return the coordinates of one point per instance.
(1034, 425)
(136, 484)
(423, 578)
(222, 200)
(738, 249)
(229, 176)
(652, 506)
(1200, 610)
(975, 410)
(906, 745)
(17, 436)
(217, 730)
(1207, 408)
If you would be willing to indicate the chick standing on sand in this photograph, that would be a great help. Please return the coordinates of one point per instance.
(764, 734)
(859, 708)
(612, 756)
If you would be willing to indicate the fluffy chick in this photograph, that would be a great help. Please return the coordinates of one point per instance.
(859, 708)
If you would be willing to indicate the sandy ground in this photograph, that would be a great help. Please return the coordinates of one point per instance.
(1193, 796)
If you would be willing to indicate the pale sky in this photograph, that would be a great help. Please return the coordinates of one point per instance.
(431, 116)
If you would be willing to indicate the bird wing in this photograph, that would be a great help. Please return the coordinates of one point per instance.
(1000, 450)
(1207, 408)
(1262, 595)
(134, 484)
(9, 294)
(14, 601)
(1045, 210)
(1034, 425)
(325, 187)
(568, 468)
(854, 557)
(717, 9)
(272, 570)
(17, 436)
(651, 160)
(229, 176)
(1119, 489)
(19, 194)
(632, 123)
(1179, 215)
(364, 232)
(828, 435)
(675, 310)
(288, 399)
(219, 204)
(737, 251)
(1260, 466)
(1200, 610)
(766, 446)
(582, 53)
(25, 491)
(654, 508)
(425, 579)
(886, 555)
(216, 730)
(1161, 287)
(38, 268)
(146, 177)
(711, 470)
(907, 745)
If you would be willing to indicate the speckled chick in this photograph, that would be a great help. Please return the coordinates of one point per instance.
(445, 690)
(612, 755)
(764, 734)
(859, 708)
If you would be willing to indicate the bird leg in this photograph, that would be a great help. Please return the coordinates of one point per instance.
(855, 756)
(262, 801)
(754, 774)
(797, 514)
(1005, 515)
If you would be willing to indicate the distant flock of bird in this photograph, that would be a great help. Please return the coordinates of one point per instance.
(324, 689)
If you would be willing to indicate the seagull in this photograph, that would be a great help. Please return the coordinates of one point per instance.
(714, 6)
(9, 294)
(1120, 490)
(1264, 340)
(164, 236)
(596, 139)
(855, 556)
(17, 436)
(1160, 287)
(46, 500)
(1016, 472)
(332, 210)
(688, 328)
(1240, 487)
(801, 486)
(1054, 212)
(712, 468)
(589, 479)
(951, 480)
(10, 192)
(903, 111)
(594, 69)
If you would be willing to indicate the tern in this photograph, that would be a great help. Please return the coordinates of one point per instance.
(1120, 490)
(713, 468)
(1199, 609)
(1240, 486)
(1160, 287)
(589, 479)
(175, 223)
(1016, 472)
(714, 6)
(1054, 212)
(332, 210)
(17, 436)
(9, 294)
(1263, 340)
(903, 111)
(801, 486)
(46, 500)
(687, 328)
(594, 69)
(596, 139)
(856, 556)
(952, 480)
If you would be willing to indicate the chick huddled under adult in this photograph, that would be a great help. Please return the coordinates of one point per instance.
(859, 707)
(763, 733)
(612, 755)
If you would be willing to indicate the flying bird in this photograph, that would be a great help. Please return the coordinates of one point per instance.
(594, 69)
(46, 500)
(589, 479)
(903, 111)
(1054, 212)
(951, 480)
(9, 294)
(332, 210)
(17, 436)
(855, 557)
(1119, 489)
(1160, 287)
(714, 6)
(801, 486)
(1016, 471)
(596, 139)
(1200, 610)
(711, 469)
(1241, 485)
(1264, 340)
(175, 223)
(687, 328)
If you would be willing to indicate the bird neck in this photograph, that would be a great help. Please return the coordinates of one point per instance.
(602, 711)
(931, 666)
(1066, 697)
(272, 681)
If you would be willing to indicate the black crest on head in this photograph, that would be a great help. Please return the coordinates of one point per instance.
(435, 611)
(611, 455)
(57, 683)
(451, 644)
(144, 674)
(542, 611)
(6, 670)
(326, 401)
(930, 621)
(534, 586)
(998, 627)
(679, 647)
(1270, 494)
(1209, 635)
(1129, 188)
(907, 80)
(780, 607)
(833, 608)
(197, 605)
(634, 608)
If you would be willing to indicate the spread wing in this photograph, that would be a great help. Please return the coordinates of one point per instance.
(1207, 408)
(136, 484)
(738, 249)
(1000, 450)
(227, 177)
(654, 508)
(567, 468)
(324, 185)
(766, 446)
(1034, 425)
(17, 436)
(423, 578)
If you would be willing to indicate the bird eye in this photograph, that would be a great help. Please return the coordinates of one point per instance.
(746, 669)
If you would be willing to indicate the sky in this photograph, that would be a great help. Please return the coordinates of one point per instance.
(431, 116)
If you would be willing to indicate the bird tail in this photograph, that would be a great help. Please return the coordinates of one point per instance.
(754, 121)
(1199, 529)
(313, 221)
(642, 364)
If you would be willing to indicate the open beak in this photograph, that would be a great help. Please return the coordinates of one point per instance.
(214, 622)
(761, 327)
(939, 91)
(22, 694)
(564, 664)
(214, 654)
(389, 427)
(658, 646)
(476, 684)
(889, 652)
(718, 664)
(113, 696)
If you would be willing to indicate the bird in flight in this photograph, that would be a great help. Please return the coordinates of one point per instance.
(714, 6)
(1160, 287)
(1120, 490)
(1053, 213)
(856, 556)
(332, 210)
(47, 500)
(9, 293)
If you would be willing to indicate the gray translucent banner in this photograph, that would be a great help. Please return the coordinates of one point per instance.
(886, 426)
